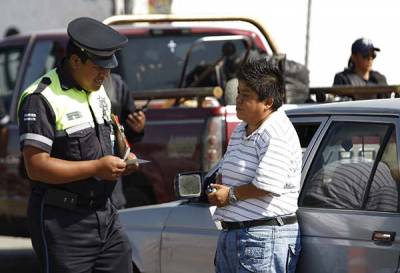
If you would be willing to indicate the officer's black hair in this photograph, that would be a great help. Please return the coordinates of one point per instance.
(265, 78)
(74, 49)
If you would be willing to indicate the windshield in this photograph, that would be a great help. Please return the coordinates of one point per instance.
(156, 62)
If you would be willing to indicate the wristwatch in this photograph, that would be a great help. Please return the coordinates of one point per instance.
(232, 197)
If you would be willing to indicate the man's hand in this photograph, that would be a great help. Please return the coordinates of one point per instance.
(131, 167)
(110, 168)
(220, 197)
(136, 121)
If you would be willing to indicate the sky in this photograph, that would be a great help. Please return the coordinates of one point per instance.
(334, 26)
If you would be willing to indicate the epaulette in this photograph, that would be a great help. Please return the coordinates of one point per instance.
(42, 85)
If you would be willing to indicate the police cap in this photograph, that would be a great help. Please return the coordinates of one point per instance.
(98, 40)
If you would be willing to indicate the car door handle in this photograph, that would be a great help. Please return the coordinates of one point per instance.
(383, 236)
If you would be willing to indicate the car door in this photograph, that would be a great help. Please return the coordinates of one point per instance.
(189, 239)
(348, 206)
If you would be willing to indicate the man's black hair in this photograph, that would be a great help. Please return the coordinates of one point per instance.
(265, 77)
(74, 49)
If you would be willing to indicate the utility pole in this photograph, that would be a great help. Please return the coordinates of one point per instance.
(308, 32)
(118, 7)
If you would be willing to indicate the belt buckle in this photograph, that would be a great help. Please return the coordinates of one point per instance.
(280, 221)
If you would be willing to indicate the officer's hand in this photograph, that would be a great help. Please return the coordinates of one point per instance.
(220, 197)
(136, 121)
(110, 167)
(130, 168)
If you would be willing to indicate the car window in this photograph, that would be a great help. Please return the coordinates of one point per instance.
(45, 56)
(352, 168)
(156, 62)
(306, 131)
(10, 61)
(383, 193)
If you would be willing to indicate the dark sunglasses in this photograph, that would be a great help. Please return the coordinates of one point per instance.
(367, 55)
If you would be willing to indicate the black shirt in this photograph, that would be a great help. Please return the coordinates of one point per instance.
(122, 103)
(350, 77)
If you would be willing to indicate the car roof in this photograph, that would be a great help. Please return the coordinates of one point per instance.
(362, 107)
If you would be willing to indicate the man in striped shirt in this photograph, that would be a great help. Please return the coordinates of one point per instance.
(259, 179)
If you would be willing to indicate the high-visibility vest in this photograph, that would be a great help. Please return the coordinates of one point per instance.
(73, 108)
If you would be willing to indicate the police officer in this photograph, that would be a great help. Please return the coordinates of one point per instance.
(67, 143)
(359, 71)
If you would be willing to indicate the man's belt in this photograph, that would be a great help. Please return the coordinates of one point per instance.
(69, 200)
(276, 221)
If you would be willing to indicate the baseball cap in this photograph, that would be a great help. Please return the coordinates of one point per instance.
(363, 46)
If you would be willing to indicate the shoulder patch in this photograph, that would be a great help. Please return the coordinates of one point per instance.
(42, 85)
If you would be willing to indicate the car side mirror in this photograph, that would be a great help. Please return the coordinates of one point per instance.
(188, 185)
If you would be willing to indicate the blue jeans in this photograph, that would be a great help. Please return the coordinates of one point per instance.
(261, 249)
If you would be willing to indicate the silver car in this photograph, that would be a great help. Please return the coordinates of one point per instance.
(348, 206)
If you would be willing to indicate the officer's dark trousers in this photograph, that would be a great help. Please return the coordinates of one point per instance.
(79, 240)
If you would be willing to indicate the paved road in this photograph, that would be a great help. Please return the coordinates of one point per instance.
(16, 256)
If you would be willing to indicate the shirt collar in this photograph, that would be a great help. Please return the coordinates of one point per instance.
(277, 114)
(66, 80)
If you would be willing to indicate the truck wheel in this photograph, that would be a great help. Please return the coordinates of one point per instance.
(138, 197)
(138, 191)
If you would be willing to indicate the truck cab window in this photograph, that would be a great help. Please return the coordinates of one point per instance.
(347, 173)
(45, 56)
(156, 62)
(10, 60)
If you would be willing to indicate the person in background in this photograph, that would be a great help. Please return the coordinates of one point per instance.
(66, 138)
(359, 71)
(11, 31)
(258, 184)
(133, 120)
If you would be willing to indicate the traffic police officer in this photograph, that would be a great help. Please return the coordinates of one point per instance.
(67, 143)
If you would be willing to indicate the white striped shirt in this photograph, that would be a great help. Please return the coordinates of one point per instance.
(270, 159)
(342, 184)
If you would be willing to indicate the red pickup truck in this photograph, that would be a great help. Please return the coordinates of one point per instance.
(179, 69)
